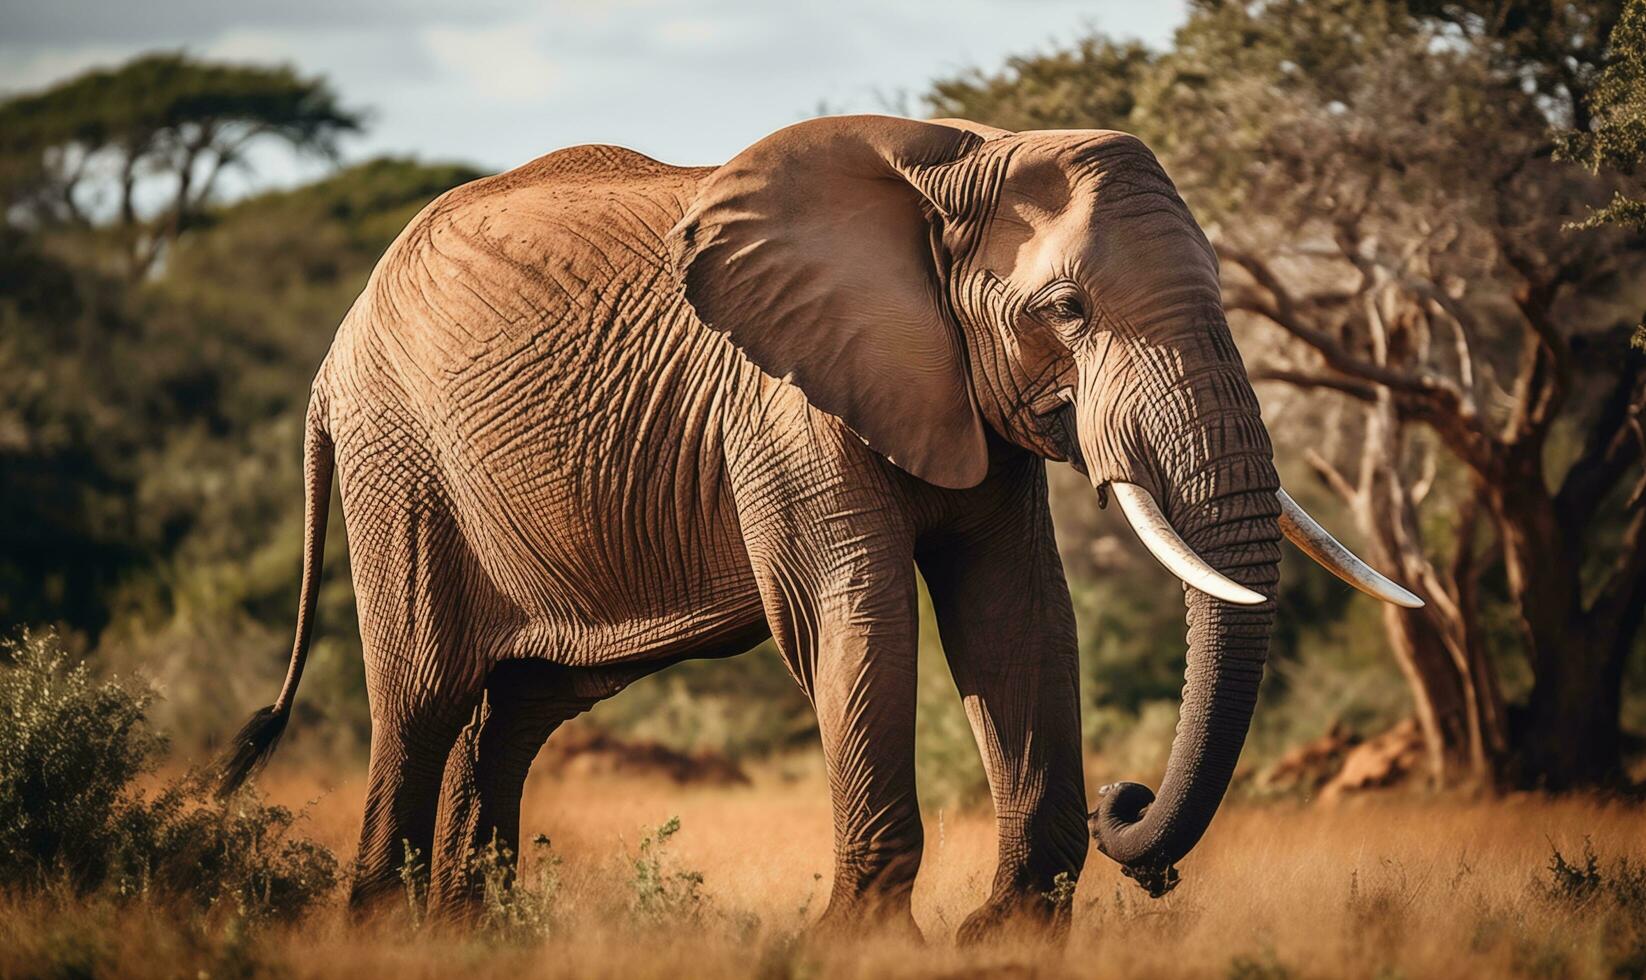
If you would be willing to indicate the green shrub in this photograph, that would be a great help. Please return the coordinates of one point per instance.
(188, 846)
(1585, 883)
(1611, 894)
(71, 750)
(514, 907)
(659, 895)
(414, 879)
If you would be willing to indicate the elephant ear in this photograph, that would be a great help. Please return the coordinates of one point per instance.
(814, 250)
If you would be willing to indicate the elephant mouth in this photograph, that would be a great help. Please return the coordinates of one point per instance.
(1055, 416)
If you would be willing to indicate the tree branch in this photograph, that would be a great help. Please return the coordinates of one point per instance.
(1283, 312)
(1330, 475)
(1304, 379)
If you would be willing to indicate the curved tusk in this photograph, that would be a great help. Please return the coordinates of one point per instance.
(1157, 535)
(1316, 542)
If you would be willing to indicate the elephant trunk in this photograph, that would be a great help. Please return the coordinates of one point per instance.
(1221, 495)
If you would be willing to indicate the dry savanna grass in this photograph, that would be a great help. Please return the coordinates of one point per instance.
(1406, 887)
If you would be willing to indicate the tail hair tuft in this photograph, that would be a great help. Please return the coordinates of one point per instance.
(250, 749)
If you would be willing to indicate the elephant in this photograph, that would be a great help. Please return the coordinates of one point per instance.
(599, 414)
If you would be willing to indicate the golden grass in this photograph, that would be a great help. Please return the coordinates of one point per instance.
(1395, 887)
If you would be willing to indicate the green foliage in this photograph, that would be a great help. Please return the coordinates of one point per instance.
(659, 894)
(745, 707)
(145, 102)
(241, 851)
(1090, 84)
(1616, 135)
(414, 881)
(514, 908)
(946, 756)
(1616, 102)
(73, 406)
(71, 749)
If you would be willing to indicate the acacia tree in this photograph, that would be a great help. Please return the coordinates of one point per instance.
(1378, 180)
(1613, 131)
(141, 147)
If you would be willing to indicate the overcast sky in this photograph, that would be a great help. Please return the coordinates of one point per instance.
(497, 83)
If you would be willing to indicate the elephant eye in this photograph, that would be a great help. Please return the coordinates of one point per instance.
(1067, 308)
(1063, 308)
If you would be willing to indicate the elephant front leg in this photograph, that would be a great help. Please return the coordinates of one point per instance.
(851, 645)
(1008, 631)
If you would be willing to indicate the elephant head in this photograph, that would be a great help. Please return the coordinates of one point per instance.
(926, 282)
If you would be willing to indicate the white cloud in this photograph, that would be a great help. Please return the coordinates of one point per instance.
(23, 70)
(688, 32)
(504, 64)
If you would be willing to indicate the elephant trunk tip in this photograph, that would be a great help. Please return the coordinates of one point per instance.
(1115, 827)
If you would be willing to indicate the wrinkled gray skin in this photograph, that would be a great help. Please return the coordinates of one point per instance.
(567, 460)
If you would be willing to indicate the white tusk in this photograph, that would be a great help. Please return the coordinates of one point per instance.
(1316, 542)
(1157, 535)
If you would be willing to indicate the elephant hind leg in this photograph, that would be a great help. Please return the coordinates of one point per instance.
(524, 702)
(403, 785)
(423, 601)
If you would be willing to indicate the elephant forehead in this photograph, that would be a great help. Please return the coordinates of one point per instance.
(1094, 206)
(1094, 235)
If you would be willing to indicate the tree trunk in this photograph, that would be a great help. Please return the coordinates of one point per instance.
(1439, 694)
(1454, 689)
(1571, 734)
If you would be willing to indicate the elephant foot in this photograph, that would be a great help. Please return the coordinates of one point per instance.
(456, 903)
(890, 918)
(377, 899)
(1033, 916)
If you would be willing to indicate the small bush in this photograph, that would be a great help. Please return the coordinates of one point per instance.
(1061, 896)
(516, 908)
(1584, 883)
(71, 749)
(1613, 894)
(1265, 965)
(186, 845)
(1574, 883)
(660, 895)
(414, 878)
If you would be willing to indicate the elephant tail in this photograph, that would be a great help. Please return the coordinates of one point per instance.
(255, 742)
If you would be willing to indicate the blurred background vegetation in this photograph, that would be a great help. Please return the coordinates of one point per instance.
(1430, 225)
